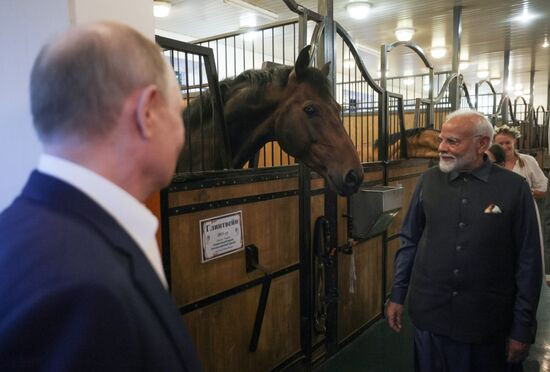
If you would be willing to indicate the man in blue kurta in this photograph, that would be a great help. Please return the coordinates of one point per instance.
(81, 281)
(469, 259)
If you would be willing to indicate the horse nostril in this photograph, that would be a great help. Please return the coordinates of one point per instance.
(351, 179)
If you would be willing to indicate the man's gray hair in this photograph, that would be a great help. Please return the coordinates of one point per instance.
(80, 81)
(483, 126)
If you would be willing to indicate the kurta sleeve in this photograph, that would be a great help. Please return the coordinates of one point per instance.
(528, 272)
(411, 231)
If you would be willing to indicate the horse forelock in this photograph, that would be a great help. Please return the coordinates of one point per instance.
(314, 77)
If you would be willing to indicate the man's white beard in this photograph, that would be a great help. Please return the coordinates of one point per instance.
(457, 163)
(448, 165)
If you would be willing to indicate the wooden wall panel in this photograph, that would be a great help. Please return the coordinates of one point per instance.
(409, 185)
(221, 332)
(359, 286)
(176, 199)
(271, 225)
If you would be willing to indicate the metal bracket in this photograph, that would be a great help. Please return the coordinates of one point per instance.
(252, 263)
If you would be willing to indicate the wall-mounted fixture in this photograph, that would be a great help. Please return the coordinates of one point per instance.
(161, 8)
(256, 9)
(404, 33)
(358, 9)
(545, 44)
(438, 51)
(373, 209)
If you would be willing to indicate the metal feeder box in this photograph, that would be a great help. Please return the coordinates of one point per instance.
(373, 209)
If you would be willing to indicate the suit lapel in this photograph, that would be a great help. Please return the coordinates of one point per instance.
(64, 197)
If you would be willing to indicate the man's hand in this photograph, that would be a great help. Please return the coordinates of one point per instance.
(517, 351)
(393, 314)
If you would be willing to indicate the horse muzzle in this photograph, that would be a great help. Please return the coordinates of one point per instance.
(349, 183)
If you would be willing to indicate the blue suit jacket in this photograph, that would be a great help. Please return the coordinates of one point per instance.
(77, 293)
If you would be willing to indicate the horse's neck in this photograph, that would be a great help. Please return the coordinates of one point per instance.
(250, 124)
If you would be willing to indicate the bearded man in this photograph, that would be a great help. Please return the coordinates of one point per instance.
(469, 258)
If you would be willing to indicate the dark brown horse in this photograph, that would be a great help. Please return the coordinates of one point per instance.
(293, 106)
(421, 143)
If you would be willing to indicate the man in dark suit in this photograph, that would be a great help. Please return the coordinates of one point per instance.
(470, 259)
(81, 281)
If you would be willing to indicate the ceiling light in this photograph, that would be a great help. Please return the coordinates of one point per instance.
(438, 51)
(525, 17)
(258, 10)
(404, 33)
(358, 9)
(482, 74)
(464, 64)
(161, 8)
(545, 44)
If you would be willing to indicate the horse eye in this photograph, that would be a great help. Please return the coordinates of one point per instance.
(310, 110)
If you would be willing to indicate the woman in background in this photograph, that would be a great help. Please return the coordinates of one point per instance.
(522, 164)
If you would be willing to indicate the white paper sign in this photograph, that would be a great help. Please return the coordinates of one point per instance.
(221, 235)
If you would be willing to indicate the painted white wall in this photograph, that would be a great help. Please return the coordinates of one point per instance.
(25, 25)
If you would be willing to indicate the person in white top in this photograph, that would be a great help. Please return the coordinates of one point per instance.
(522, 164)
(81, 278)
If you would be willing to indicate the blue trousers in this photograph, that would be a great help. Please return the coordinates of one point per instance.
(435, 353)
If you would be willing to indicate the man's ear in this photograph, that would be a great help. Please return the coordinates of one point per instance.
(484, 142)
(146, 102)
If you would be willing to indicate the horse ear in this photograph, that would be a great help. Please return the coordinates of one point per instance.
(326, 69)
(302, 62)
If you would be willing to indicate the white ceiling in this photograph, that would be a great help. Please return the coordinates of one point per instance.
(487, 30)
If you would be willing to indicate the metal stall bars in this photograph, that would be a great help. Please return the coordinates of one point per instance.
(541, 119)
(360, 98)
(522, 119)
(486, 98)
(264, 47)
(197, 76)
(388, 131)
(442, 103)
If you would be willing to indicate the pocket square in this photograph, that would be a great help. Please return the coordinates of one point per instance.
(492, 208)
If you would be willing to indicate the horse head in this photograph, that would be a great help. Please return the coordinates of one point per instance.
(308, 126)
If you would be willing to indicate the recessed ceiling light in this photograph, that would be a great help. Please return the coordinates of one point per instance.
(358, 9)
(161, 8)
(404, 33)
(525, 16)
(438, 51)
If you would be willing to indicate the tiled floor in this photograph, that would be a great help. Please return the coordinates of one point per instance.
(381, 350)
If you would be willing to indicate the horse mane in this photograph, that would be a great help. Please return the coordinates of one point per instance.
(394, 137)
(256, 81)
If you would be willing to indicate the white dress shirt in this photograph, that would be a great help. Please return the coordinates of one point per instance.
(531, 172)
(131, 214)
